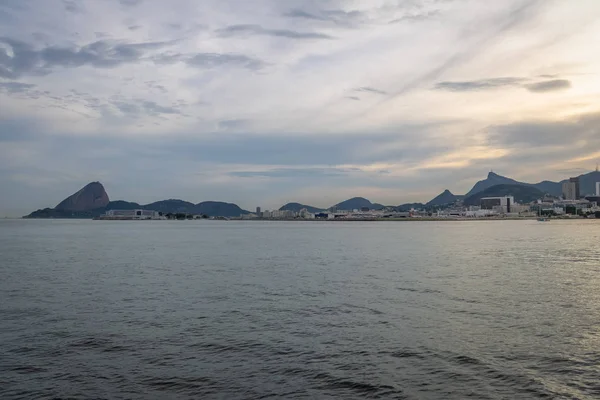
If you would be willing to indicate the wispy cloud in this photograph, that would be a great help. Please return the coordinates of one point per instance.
(24, 59)
(482, 84)
(549, 86)
(247, 30)
(367, 89)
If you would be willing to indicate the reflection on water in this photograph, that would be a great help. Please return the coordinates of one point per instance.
(207, 309)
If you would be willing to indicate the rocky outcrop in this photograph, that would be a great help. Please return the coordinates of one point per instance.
(91, 197)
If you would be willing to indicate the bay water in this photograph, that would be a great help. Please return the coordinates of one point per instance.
(299, 310)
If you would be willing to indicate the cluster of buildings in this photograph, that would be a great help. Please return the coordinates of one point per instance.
(570, 203)
(132, 215)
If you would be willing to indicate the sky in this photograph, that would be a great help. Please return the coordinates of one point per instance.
(265, 102)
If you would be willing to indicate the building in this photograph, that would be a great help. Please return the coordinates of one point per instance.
(500, 204)
(571, 189)
(132, 215)
(258, 213)
(598, 189)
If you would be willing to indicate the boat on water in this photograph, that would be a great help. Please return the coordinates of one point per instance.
(543, 219)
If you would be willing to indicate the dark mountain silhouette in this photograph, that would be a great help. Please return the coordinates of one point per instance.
(94, 196)
(493, 179)
(446, 197)
(296, 207)
(218, 209)
(90, 197)
(356, 203)
(171, 206)
(587, 184)
(521, 193)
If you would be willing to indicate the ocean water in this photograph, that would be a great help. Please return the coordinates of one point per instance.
(299, 310)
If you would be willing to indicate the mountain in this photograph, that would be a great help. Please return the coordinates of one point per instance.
(171, 206)
(553, 188)
(521, 193)
(90, 197)
(446, 197)
(356, 203)
(587, 183)
(92, 201)
(296, 207)
(492, 179)
(218, 209)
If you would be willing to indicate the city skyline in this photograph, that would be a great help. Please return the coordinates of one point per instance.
(264, 103)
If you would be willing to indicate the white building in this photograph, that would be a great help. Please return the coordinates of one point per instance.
(569, 190)
(597, 188)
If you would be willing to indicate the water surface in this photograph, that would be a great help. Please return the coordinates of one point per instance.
(242, 310)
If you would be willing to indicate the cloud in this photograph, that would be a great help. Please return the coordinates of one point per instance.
(414, 17)
(549, 86)
(296, 13)
(353, 98)
(367, 89)
(583, 130)
(247, 30)
(292, 173)
(212, 60)
(337, 17)
(15, 87)
(130, 3)
(73, 6)
(139, 107)
(483, 84)
(25, 60)
(134, 27)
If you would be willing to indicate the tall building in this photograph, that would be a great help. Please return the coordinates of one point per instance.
(577, 191)
(569, 191)
(258, 211)
(597, 188)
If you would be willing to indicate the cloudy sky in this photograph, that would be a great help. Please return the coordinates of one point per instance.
(264, 102)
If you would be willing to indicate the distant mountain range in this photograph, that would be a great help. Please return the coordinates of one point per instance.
(356, 203)
(92, 200)
(296, 207)
(587, 184)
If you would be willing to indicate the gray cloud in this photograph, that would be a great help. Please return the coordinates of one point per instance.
(15, 87)
(139, 107)
(73, 6)
(292, 173)
(549, 86)
(25, 60)
(337, 17)
(134, 27)
(211, 60)
(414, 17)
(353, 98)
(483, 84)
(130, 3)
(247, 30)
(368, 89)
(538, 134)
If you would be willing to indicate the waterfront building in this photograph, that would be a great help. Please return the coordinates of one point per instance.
(501, 204)
(598, 189)
(258, 213)
(132, 214)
